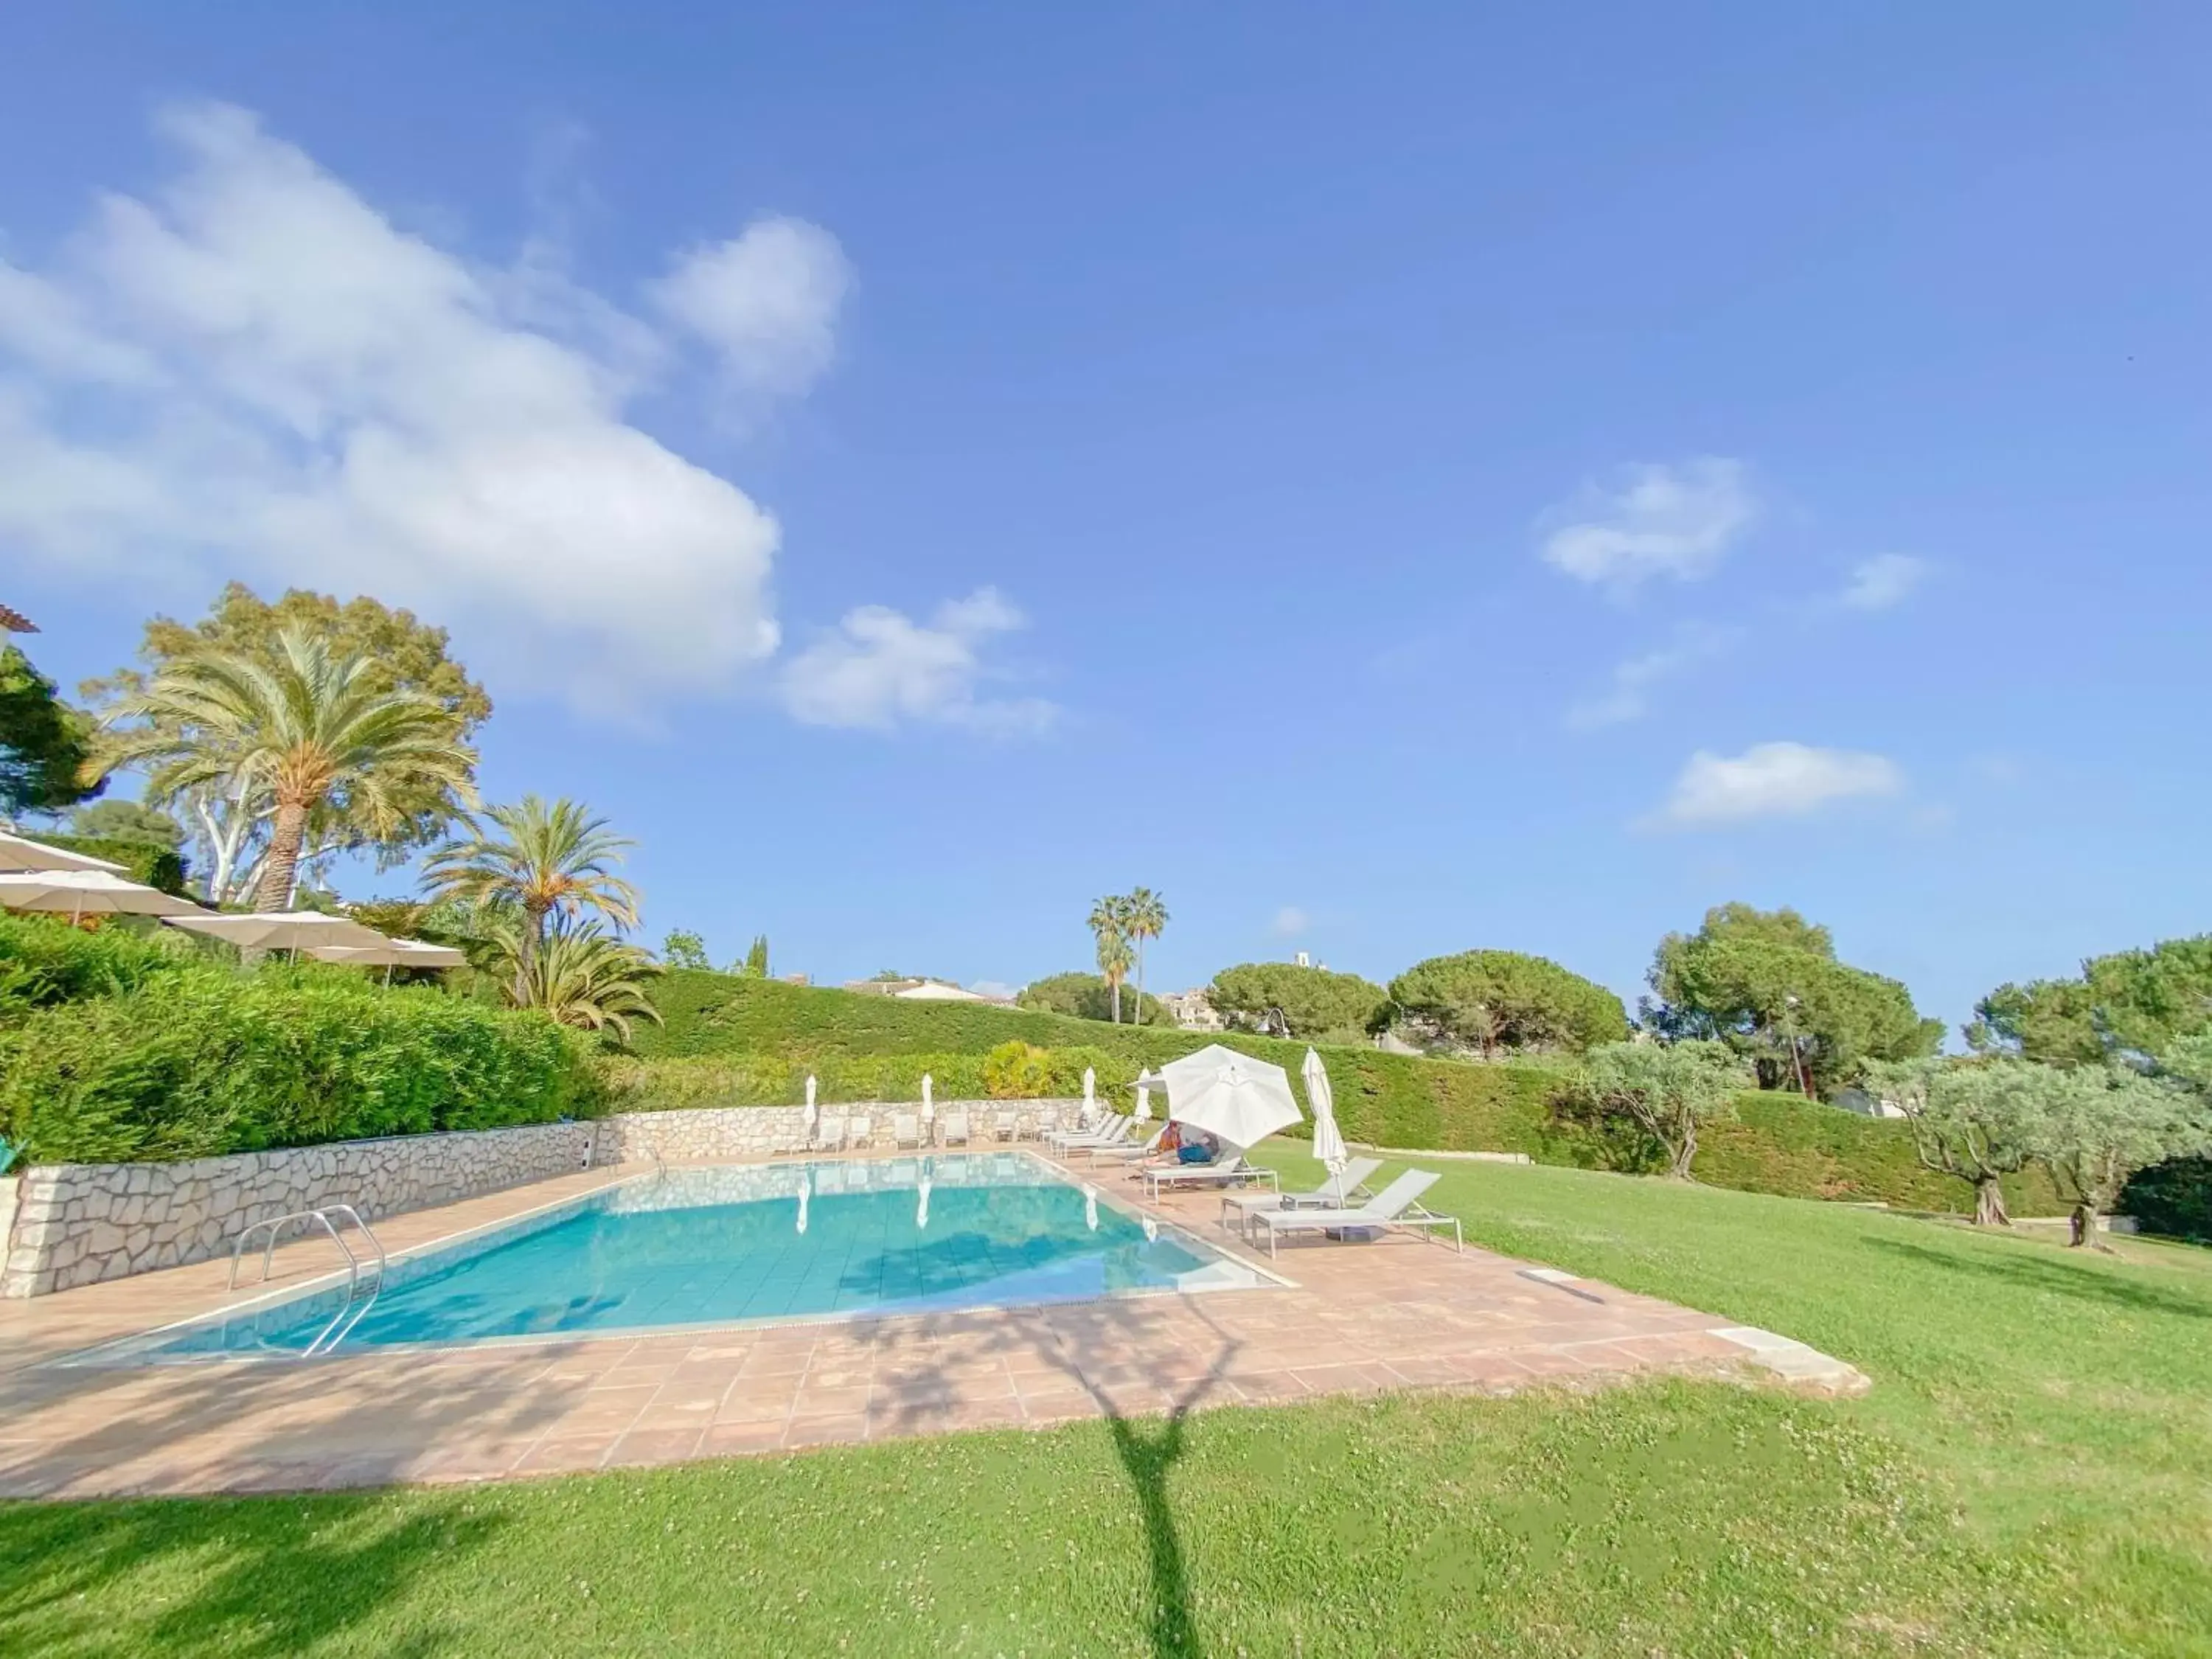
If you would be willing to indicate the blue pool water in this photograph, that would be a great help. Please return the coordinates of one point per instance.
(720, 1246)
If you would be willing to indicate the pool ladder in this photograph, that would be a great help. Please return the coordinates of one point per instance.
(355, 1306)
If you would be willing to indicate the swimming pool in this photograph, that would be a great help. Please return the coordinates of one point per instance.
(733, 1246)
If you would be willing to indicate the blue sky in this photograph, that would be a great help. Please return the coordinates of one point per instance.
(1395, 480)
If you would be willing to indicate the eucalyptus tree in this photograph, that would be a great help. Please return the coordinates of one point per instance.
(551, 861)
(304, 728)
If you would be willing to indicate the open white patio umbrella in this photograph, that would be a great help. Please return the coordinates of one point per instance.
(20, 852)
(283, 930)
(393, 953)
(1231, 1097)
(1328, 1140)
(80, 893)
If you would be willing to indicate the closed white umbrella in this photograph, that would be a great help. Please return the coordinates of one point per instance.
(810, 1100)
(284, 930)
(928, 1096)
(1145, 1081)
(80, 893)
(1328, 1140)
(1089, 1093)
(1231, 1097)
(20, 852)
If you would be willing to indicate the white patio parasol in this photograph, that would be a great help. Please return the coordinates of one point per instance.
(1089, 1094)
(1328, 1140)
(19, 853)
(928, 1097)
(80, 893)
(393, 953)
(1146, 1080)
(810, 1100)
(283, 930)
(1231, 1097)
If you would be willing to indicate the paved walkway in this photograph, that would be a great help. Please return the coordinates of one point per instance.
(1398, 1314)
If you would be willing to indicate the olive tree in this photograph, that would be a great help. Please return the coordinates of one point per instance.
(1670, 1091)
(2102, 1124)
(1979, 1120)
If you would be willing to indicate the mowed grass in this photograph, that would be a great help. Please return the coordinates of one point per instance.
(2032, 1475)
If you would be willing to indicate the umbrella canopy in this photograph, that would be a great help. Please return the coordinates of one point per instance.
(393, 953)
(284, 930)
(1328, 1140)
(1230, 1096)
(76, 893)
(17, 853)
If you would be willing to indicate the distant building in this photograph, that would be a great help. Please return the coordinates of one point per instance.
(796, 979)
(924, 990)
(1192, 1010)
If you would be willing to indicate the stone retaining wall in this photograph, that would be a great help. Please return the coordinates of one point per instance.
(78, 1224)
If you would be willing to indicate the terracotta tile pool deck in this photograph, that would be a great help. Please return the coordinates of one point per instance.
(1400, 1314)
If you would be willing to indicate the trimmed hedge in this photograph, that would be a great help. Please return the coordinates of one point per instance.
(141, 861)
(743, 1041)
(44, 961)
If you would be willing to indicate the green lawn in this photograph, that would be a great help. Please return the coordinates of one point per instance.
(2032, 1475)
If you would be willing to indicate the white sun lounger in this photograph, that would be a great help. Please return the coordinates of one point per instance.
(1398, 1205)
(858, 1131)
(1337, 1195)
(906, 1130)
(1074, 1140)
(952, 1127)
(1174, 1176)
(1128, 1148)
(829, 1134)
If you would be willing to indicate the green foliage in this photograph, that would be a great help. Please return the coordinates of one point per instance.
(684, 949)
(2132, 1001)
(199, 1061)
(582, 977)
(1312, 1002)
(756, 956)
(1084, 996)
(2101, 1124)
(1766, 983)
(1669, 1091)
(2174, 1198)
(1017, 1070)
(127, 820)
(1494, 999)
(45, 745)
(155, 866)
(45, 961)
(1978, 1119)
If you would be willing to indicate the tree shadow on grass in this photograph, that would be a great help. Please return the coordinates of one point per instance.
(241, 1576)
(2085, 1279)
(1130, 1357)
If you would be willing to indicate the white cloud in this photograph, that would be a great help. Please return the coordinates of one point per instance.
(252, 372)
(881, 668)
(1774, 779)
(1887, 579)
(1653, 520)
(766, 301)
(1290, 921)
(1628, 697)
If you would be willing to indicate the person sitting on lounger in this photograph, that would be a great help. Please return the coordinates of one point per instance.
(1201, 1148)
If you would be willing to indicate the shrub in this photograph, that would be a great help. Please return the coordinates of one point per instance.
(201, 1061)
(1085, 996)
(1016, 1070)
(45, 961)
(2173, 1198)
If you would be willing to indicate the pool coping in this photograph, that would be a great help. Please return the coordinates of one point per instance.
(132, 1351)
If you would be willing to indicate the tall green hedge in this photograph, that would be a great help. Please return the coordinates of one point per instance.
(141, 861)
(44, 961)
(742, 1042)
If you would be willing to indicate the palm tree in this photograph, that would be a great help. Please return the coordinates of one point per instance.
(1109, 922)
(301, 729)
(1146, 915)
(552, 862)
(584, 977)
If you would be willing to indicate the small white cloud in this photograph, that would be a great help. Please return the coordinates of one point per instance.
(1290, 921)
(1774, 779)
(1629, 696)
(1884, 581)
(1653, 520)
(881, 668)
(767, 301)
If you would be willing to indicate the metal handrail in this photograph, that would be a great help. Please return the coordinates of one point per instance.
(349, 1312)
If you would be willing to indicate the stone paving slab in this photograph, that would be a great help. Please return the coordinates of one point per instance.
(1403, 1314)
